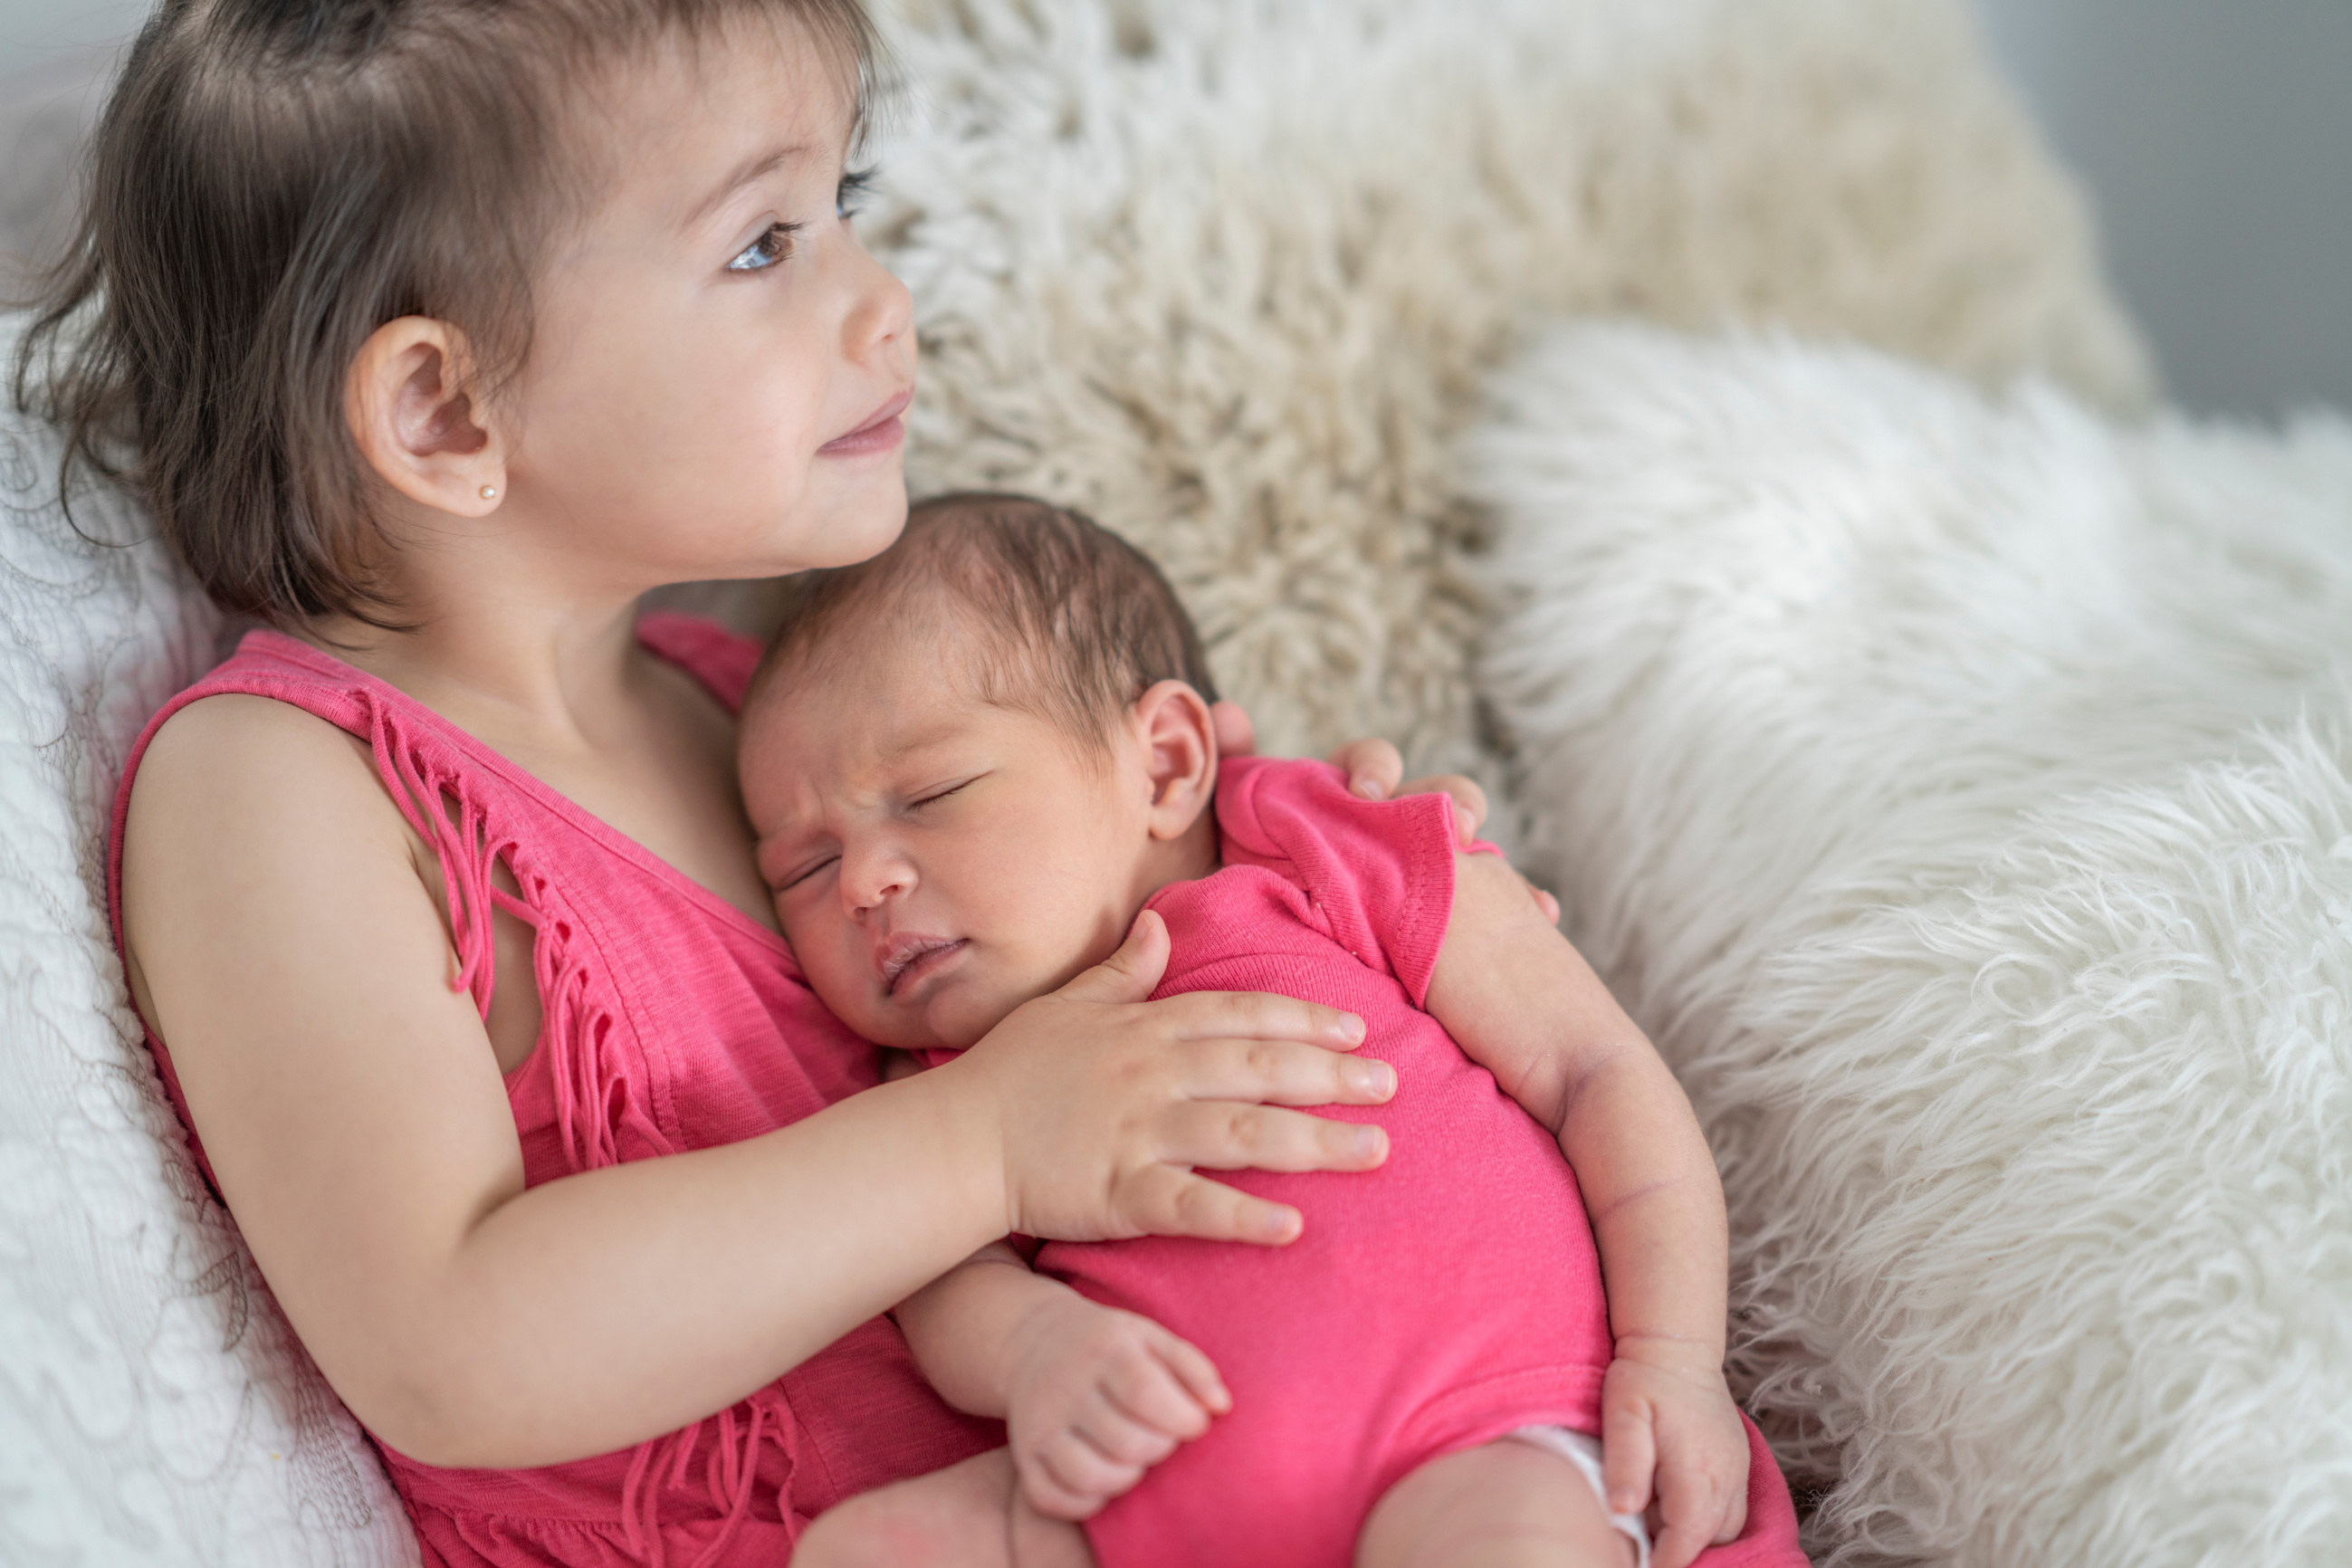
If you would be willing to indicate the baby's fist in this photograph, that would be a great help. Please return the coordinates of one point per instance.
(1670, 1431)
(1099, 1396)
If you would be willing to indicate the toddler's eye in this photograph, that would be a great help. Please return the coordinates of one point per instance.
(849, 197)
(774, 245)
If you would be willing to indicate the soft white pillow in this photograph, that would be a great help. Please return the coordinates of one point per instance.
(1956, 787)
(154, 1409)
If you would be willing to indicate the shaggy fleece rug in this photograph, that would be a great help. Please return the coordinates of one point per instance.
(1956, 787)
(1224, 273)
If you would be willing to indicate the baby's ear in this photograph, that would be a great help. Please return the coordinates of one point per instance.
(1181, 742)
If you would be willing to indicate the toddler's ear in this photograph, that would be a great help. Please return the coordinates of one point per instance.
(1181, 742)
(415, 422)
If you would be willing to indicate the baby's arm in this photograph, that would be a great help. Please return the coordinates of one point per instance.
(1091, 1397)
(1522, 1003)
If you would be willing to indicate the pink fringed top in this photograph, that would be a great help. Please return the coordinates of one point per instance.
(673, 1022)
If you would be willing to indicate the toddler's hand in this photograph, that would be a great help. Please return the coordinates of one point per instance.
(1667, 1416)
(1098, 1398)
(1104, 1108)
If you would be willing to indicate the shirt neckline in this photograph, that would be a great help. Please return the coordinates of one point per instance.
(587, 822)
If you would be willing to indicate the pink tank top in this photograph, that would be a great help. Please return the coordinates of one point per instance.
(673, 1022)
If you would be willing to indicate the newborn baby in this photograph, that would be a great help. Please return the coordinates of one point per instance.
(972, 811)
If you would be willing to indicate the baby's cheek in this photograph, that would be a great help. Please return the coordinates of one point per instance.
(996, 983)
(821, 965)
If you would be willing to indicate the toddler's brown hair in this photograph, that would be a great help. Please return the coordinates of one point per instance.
(273, 180)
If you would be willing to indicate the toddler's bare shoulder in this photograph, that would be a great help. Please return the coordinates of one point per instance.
(246, 770)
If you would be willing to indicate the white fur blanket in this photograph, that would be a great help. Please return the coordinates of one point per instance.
(1224, 271)
(1957, 788)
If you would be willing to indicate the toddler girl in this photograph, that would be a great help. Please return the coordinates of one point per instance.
(435, 332)
(970, 763)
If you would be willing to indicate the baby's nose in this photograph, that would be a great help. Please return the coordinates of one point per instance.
(874, 880)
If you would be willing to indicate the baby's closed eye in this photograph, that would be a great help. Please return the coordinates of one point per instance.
(940, 794)
(798, 873)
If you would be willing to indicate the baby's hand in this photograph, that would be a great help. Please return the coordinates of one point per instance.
(1098, 1398)
(1666, 1415)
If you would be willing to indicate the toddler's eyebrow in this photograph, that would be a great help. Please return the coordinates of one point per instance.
(752, 168)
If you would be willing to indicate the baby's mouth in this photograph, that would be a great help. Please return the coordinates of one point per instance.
(915, 956)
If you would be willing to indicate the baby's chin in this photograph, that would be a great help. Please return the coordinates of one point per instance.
(958, 1021)
(952, 1017)
(950, 1010)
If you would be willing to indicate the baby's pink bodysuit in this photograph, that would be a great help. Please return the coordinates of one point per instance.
(1443, 1302)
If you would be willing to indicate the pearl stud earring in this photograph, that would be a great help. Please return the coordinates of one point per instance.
(489, 492)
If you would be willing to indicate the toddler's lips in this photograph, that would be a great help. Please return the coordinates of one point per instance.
(880, 432)
(910, 957)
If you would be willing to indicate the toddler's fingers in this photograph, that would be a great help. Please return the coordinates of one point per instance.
(1373, 768)
(1469, 801)
(1130, 974)
(1196, 1370)
(1160, 1200)
(1222, 1136)
(1251, 1019)
(1277, 1072)
(1237, 736)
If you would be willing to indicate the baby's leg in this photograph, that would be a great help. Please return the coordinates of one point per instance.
(970, 1515)
(1506, 1505)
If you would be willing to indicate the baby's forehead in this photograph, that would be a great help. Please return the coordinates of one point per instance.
(873, 659)
(885, 702)
(888, 726)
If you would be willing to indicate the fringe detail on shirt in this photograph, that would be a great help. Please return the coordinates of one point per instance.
(665, 1464)
(592, 1103)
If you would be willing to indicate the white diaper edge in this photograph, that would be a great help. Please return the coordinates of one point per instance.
(1583, 1450)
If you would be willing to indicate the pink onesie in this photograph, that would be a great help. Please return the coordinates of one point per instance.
(1443, 1302)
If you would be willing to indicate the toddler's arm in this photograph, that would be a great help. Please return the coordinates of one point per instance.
(284, 937)
(1091, 1397)
(1522, 1003)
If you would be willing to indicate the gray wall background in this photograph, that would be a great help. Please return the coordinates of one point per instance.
(2215, 137)
(33, 31)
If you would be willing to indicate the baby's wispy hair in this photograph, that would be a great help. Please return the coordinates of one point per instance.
(1061, 617)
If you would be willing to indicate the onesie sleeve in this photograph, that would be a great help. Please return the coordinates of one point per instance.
(723, 660)
(1380, 873)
